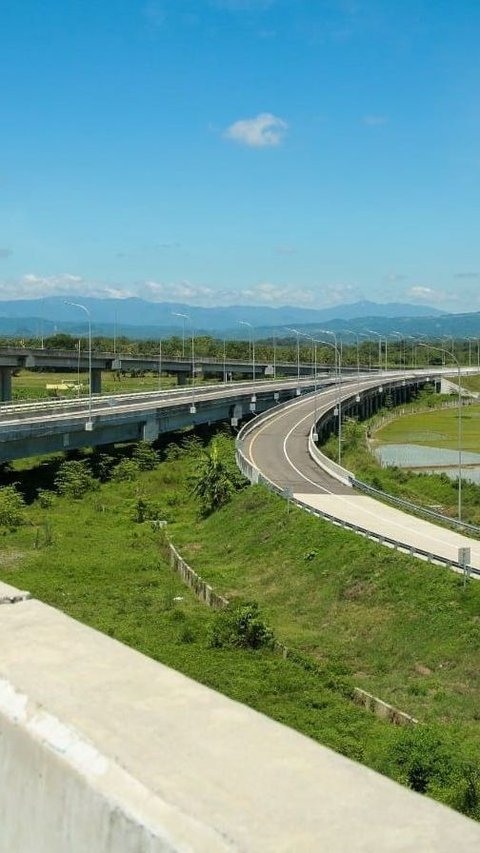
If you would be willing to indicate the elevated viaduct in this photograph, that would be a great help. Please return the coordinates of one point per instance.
(39, 428)
(15, 358)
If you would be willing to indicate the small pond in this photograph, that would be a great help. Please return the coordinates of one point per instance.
(430, 460)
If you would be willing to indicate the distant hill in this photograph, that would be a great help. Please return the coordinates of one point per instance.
(29, 316)
(137, 318)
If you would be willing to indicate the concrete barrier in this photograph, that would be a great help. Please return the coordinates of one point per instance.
(200, 588)
(103, 750)
(382, 709)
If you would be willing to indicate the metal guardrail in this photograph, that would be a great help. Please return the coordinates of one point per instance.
(60, 406)
(255, 476)
(349, 479)
(413, 507)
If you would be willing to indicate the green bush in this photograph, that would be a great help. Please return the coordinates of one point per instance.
(145, 456)
(240, 626)
(213, 483)
(45, 498)
(11, 508)
(423, 758)
(148, 510)
(102, 465)
(126, 470)
(74, 479)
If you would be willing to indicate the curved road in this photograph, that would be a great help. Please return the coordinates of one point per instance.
(278, 448)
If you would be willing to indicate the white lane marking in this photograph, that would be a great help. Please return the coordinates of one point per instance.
(438, 533)
(269, 423)
(361, 504)
(365, 386)
(287, 457)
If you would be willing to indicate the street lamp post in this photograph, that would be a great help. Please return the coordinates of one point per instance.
(183, 317)
(314, 341)
(160, 365)
(379, 336)
(297, 333)
(193, 408)
(355, 334)
(78, 366)
(403, 351)
(339, 392)
(460, 424)
(252, 334)
(89, 423)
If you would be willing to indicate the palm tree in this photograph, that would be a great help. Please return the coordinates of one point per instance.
(212, 481)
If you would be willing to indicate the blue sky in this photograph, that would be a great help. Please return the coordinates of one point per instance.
(242, 151)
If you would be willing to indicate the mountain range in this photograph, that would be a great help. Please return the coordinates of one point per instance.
(138, 318)
(27, 315)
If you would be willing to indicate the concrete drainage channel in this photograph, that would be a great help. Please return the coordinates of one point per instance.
(206, 594)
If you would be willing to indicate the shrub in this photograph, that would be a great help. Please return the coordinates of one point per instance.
(74, 479)
(126, 470)
(240, 626)
(145, 456)
(45, 498)
(11, 508)
(423, 758)
(212, 482)
(103, 464)
(147, 510)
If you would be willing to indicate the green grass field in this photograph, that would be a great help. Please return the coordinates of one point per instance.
(436, 428)
(32, 385)
(363, 615)
(427, 490)
(472, 383)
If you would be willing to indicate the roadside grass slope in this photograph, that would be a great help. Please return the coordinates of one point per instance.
(359, 613)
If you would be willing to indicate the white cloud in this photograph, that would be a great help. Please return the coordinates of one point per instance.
(33, 286)
(337, 294)
(264, 293)
(423, 293)
(263, 131)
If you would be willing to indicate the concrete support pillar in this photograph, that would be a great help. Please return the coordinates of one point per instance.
(96, 380)
(182, 378)
(5, 384)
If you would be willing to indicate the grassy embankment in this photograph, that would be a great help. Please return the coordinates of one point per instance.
(471, 382)
(362, 615)
(434, 428)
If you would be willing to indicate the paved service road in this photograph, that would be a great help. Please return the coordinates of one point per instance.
(278, 447)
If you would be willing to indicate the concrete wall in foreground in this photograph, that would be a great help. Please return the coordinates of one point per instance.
(103, 750)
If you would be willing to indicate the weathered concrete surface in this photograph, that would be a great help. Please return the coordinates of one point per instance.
(103, 749)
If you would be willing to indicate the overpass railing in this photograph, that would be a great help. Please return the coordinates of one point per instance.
(349, 479)
(61, 405)
(255, 476)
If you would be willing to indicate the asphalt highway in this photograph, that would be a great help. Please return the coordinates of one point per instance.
(278, 448)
